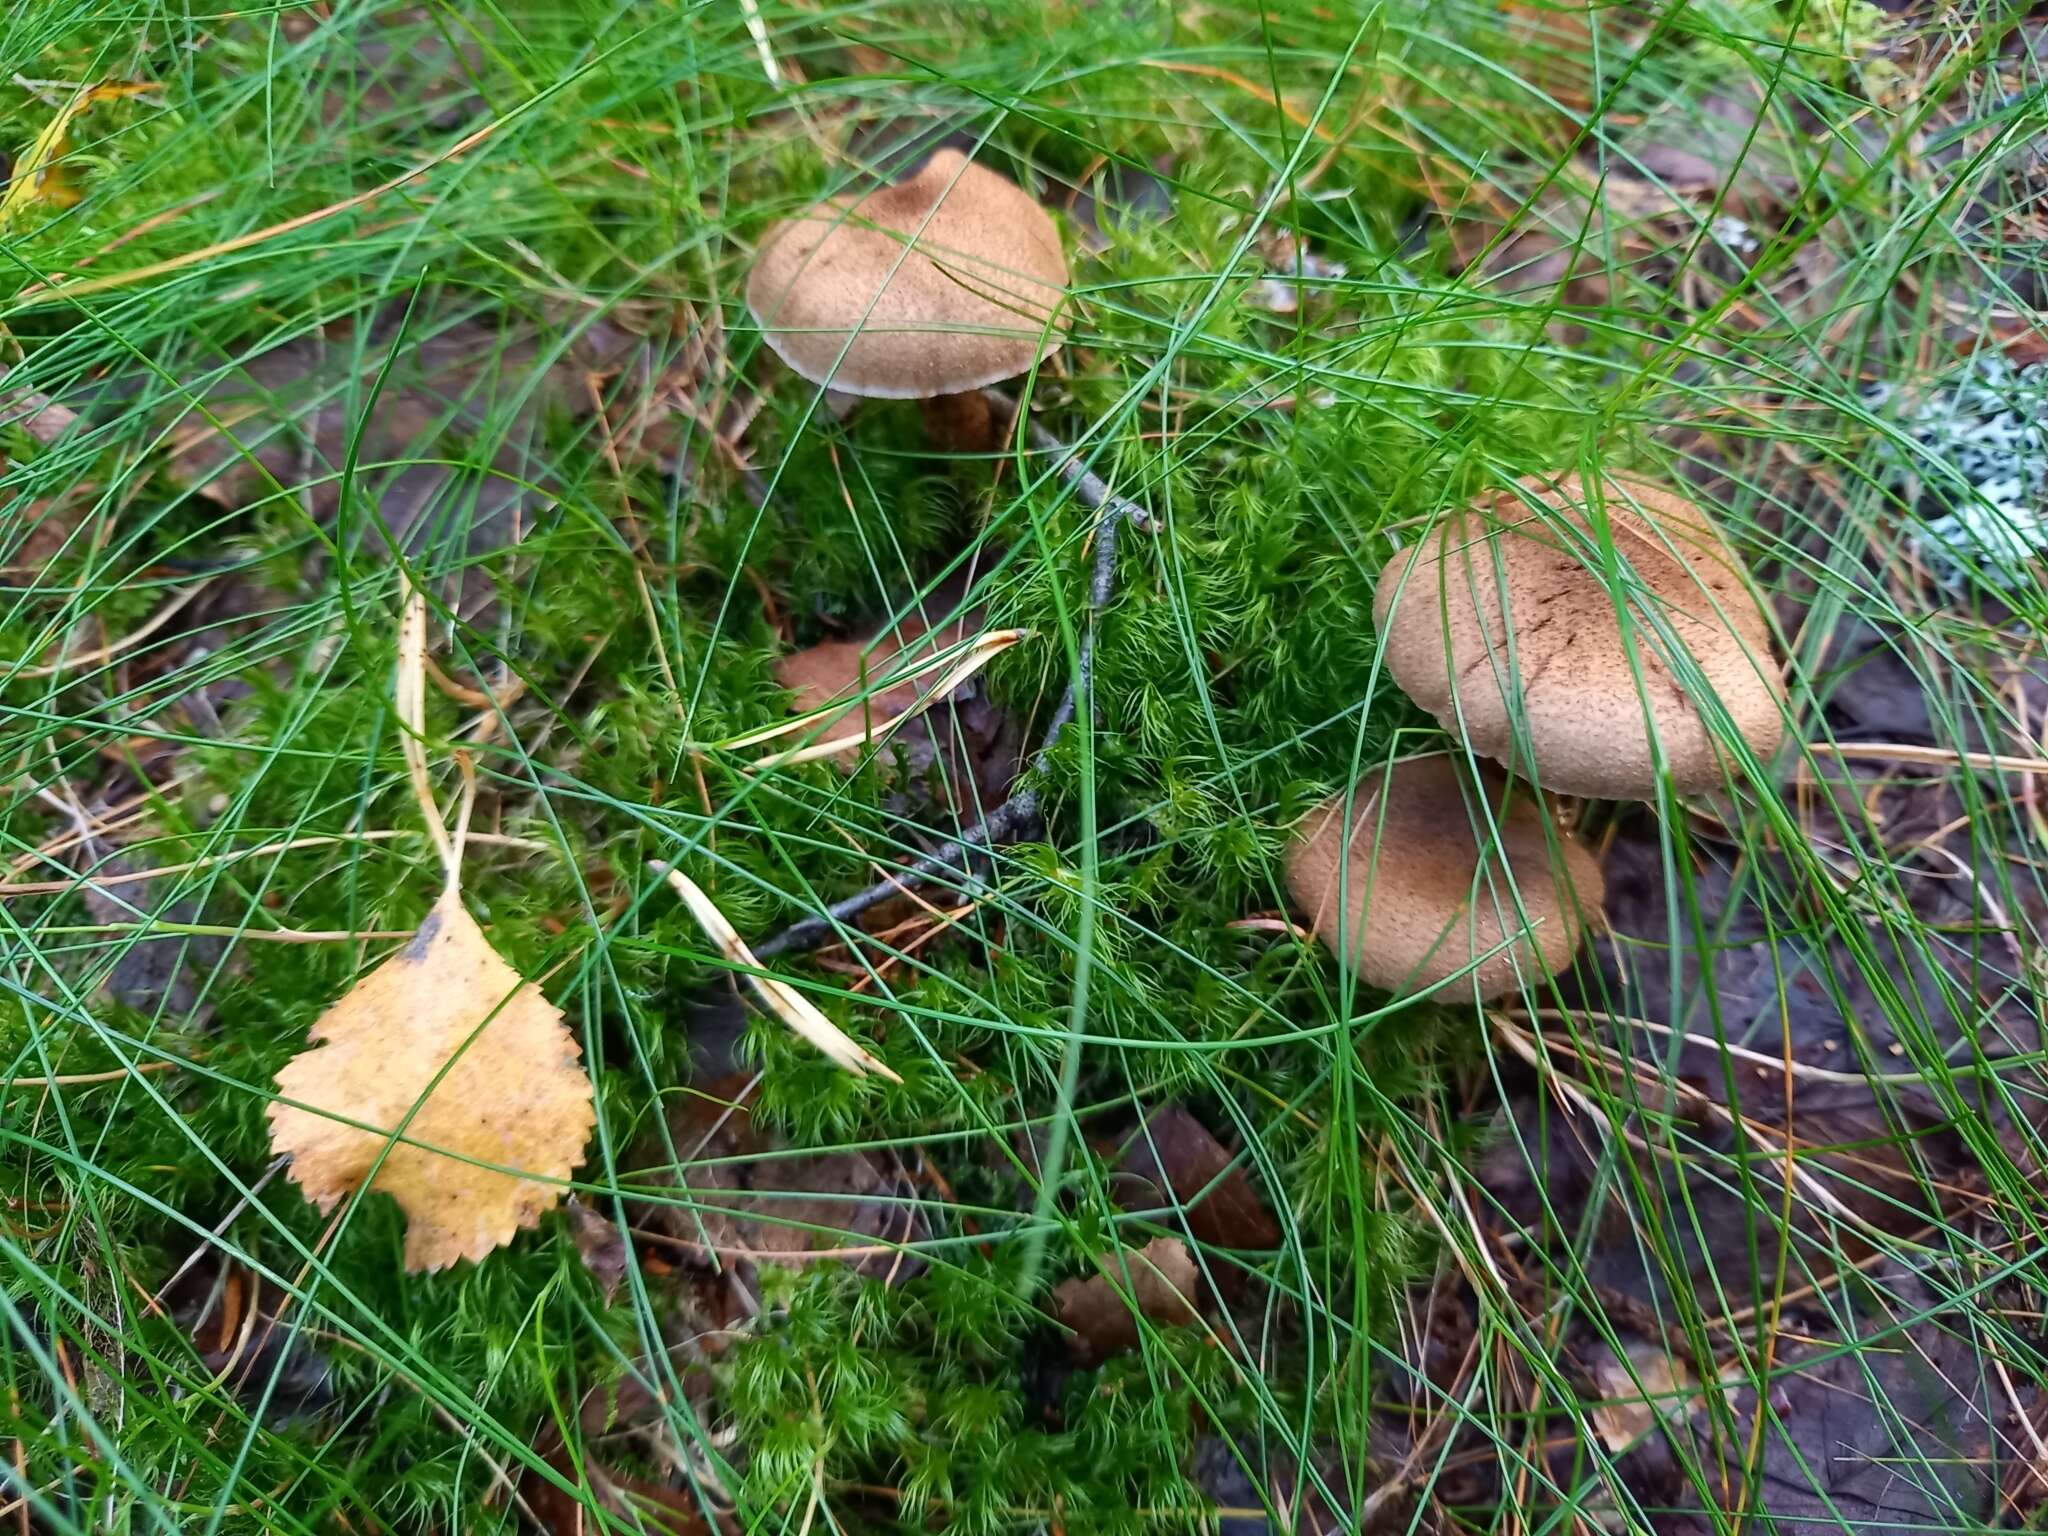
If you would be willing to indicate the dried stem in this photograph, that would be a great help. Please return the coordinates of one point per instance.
(1019, 815)
(409, 692)
(783, 1000)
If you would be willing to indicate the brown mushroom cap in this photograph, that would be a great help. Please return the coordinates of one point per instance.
(937, 285)
(1561, 696)
(1404, 896)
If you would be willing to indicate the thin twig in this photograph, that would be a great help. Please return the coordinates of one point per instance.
(219, 1227)
(160, 928)
(1947, 757)
(135, 876)
(1006, 822)
(1019, 814)
(108, 652)
(81, 1079)
(1090, 489)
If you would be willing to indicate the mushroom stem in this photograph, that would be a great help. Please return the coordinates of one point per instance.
(960, 423)
(1019, 814)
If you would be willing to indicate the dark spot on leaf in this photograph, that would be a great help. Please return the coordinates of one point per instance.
(416, 948)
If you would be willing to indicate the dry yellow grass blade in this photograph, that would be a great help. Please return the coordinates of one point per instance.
(39, 176)
(958, 665)
(781, 999)
(447, 1026)
(446, 1046)
(43, 293)
(409, 695)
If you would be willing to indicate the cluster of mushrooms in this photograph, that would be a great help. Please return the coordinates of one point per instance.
(1584, 681)
(1594, 638)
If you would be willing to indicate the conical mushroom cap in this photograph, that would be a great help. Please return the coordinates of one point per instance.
(1495, 625)
(1402, 893)
(937, 285)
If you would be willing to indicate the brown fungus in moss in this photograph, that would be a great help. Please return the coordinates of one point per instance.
(1496, 625)
(1422, 882)
(930, 289)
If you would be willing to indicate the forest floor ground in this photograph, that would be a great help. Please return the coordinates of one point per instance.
(1156, 1218)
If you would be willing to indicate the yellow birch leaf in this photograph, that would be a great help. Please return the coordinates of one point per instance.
(514, 1094)
(39, 174)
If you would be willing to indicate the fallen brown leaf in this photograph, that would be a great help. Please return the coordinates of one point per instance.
(235, 1319)
(1635, 1393)
(1163, 1282)
(740, 1195)
(44, 527)
(42, 418)
(955, 667)
(637, 1503)
(600, 1244)
(1178, 1156)
(962, 756)
(445, 1046)
(863, 681)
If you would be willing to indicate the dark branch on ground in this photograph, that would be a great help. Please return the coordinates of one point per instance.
(1018, 816)
(1090, 489)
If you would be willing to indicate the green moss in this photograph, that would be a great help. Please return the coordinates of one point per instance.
(839, 1394)
(630, 159)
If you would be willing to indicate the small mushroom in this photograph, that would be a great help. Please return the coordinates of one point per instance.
(930, 290)
(1422, 882)
(1496, 624)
